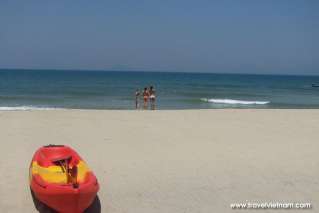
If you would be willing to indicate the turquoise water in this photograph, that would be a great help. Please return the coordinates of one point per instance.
(32, 89)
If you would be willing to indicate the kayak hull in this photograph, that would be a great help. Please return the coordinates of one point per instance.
(49, 187)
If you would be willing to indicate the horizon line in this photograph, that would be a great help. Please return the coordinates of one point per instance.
(155, 71)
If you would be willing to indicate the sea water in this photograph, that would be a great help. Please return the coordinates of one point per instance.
(55, 89)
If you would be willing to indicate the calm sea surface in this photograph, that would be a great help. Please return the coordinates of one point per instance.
(34, 89)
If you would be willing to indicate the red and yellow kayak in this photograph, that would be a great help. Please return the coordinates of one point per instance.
(62, 180)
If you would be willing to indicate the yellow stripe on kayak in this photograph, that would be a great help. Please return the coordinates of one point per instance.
(55, 174)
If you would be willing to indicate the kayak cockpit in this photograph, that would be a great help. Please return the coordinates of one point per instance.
(60, 165)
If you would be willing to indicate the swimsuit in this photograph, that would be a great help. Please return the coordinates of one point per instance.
(145, 96)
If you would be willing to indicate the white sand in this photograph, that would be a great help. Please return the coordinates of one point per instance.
(171, 161)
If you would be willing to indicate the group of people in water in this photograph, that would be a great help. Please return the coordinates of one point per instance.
(148, 95)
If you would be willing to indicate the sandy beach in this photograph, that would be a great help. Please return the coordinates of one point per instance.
(171, 161)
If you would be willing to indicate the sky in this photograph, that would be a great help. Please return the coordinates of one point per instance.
(229, 36)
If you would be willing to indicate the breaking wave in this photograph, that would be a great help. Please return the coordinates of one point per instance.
(234, 102)
(25, 108)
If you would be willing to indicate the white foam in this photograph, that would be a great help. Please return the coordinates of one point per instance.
(234, 102)
(25, 108)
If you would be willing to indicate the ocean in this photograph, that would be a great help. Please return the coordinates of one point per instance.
(56, 89)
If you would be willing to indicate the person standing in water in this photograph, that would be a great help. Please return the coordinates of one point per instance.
(146, 95)
(152, 97)
(137, 96)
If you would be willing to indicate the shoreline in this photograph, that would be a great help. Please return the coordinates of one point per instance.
(48, 109)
